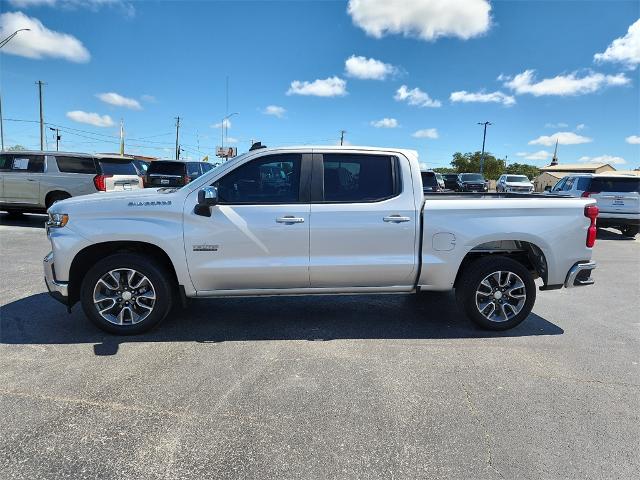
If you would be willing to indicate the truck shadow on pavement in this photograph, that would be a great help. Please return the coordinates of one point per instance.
(38, 319)
(27, 220)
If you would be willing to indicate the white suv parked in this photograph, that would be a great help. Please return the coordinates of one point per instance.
(617, 194)
(33, 181)
(514, 184)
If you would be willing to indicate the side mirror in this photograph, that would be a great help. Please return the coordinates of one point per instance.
(208, 196)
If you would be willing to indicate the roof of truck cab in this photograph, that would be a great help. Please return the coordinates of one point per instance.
(339, 148)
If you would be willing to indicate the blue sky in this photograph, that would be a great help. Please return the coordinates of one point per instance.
(420, 76)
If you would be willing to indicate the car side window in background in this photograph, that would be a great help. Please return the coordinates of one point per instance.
(269, 179)
(193, 169)
(558, 186)
(583, 183)
(358, 178)
(5, 163)
(568, 184)
(76, 165)
(28, 163)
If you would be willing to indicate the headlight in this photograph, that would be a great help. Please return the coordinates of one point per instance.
(57, 220)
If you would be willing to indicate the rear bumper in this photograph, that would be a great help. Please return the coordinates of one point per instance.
(580, 275)
(58, 290)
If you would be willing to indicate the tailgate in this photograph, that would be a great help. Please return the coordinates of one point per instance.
(122, 182)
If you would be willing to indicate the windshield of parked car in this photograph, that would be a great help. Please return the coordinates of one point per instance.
(517, 178)
(117, 167)
(429, 179)
(167, 168)
(615, 184)
(471, 177)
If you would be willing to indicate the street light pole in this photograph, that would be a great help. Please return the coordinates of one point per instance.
(57, 137)
(2, 44)
(484, 138)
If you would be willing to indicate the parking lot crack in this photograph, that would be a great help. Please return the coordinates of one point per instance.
(487, 437)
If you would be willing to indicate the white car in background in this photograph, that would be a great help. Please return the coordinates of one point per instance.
(617, 194)
(514, 184)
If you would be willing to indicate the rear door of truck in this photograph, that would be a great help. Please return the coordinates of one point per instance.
(363, 221)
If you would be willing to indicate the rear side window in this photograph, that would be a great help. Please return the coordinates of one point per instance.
(118, 167)
(76, 165)
(583, 183)
(359, 178)
(167, 168)
(26, 163)
(615, 184)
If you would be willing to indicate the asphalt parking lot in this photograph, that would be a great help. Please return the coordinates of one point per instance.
(321, 387)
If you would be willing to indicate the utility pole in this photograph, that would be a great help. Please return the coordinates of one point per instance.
(342, 132)
(57, 137)
(40, 84)
(1, 127)
(177, 138)
(484, 138)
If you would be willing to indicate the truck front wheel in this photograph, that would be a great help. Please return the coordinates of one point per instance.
(126, 293)
(496, 292)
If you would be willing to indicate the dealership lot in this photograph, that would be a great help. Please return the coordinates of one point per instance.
(321, 387)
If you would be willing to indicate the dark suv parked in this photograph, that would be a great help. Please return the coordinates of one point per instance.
(472, 182)
(173, 173)
(450, 181)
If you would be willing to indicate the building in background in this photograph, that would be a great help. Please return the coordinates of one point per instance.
(550, 174)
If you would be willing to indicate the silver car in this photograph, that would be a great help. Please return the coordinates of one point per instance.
(31, 181)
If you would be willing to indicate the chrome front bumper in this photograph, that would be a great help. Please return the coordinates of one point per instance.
(580, 275)
(58, 290)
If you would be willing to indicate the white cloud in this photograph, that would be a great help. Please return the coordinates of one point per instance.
(482, 97)
(424, 19)
(580, 126)
(226, 122)
(563, 138)
(118, 100)
(603, 159)
(570, 84)
(385, 123)
(416, 97)
(625, 50)
(426, 133)
(40, 42)
(231, 140)
(125, 6)
(149, 99)
(633, 139)
(32, 3)
(368, 68)
(556, 125)
(275, 111)
(328, 87)
(90, 118)
(539, 155)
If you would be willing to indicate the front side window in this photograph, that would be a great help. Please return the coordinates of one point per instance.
(76, 164)
(269, 179)
(193, 169)
(358, 178)
(568, 184)
(558, 186)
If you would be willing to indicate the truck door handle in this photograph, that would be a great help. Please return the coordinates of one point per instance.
(289, 219)
(396, 219)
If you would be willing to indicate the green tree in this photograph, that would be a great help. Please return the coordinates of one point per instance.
(470, 163)
(530, 171)
(445, 170)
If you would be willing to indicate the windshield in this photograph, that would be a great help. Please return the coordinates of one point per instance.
(472, 177)
(517, 178)
(216, 168)
(429, 179)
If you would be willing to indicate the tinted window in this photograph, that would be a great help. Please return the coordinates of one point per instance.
(206, 167)
(429, 179)
(612, 184)
(141, 165)
(451, 176)
(193, 169)
(517, 178)
(167, 168)
(358, 178)
(558, 186)
(76, 164)
(118, 167)
(568, 184)
(27, 163)
(270, 179)
(5, 162)
(471, 177)
(583, 183)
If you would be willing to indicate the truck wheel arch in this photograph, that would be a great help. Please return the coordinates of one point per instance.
(527, 253)
(88, 256)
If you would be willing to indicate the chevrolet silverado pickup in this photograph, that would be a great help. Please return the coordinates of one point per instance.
(313, 220)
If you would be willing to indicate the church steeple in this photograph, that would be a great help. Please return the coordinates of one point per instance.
(554, 160)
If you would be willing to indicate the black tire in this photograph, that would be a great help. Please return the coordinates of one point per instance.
(471, 293)
(56, 197)
(630, 230)
(161, 285)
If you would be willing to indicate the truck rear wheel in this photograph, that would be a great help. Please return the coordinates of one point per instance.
(126, 294)
(496, 292)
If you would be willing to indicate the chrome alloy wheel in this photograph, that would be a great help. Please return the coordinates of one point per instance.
(500, 296)
(124, 296)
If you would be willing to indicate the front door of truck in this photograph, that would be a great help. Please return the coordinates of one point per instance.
(257, 237)
(364, 223)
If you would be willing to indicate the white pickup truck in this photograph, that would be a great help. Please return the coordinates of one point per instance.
(313, 220)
